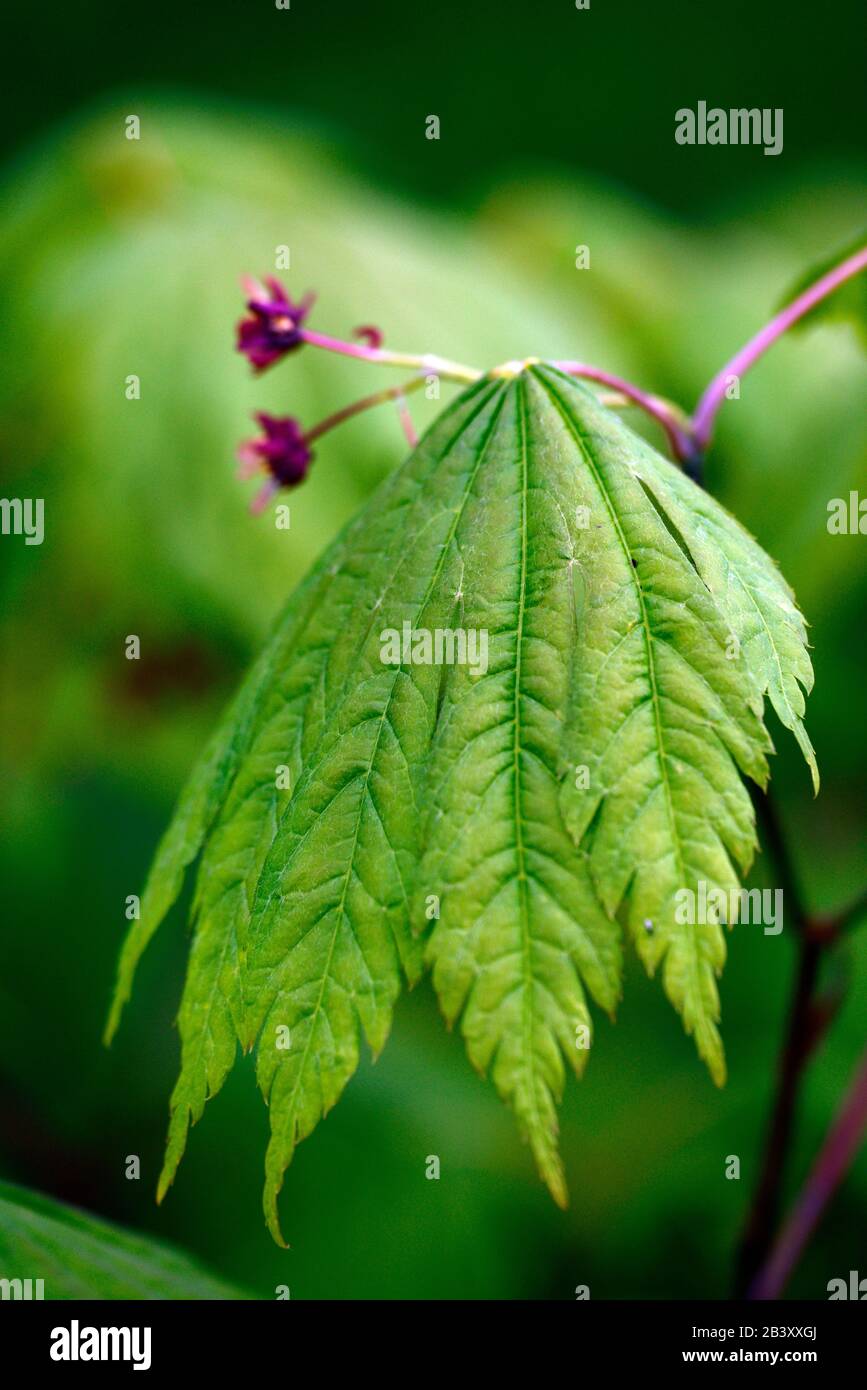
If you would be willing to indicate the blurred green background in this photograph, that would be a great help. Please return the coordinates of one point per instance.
(305, 127)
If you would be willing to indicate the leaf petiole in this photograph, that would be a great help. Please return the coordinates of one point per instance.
(672, 419)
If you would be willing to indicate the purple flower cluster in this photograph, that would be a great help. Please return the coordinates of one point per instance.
(273, 325)
(271, 329)
(281, 451)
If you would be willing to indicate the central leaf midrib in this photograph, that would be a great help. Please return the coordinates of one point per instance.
(527, 1002)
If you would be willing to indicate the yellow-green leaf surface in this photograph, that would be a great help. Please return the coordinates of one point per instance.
(498, 819)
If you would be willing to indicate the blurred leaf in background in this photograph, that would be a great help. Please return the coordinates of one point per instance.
(848, 304)
(124, 259)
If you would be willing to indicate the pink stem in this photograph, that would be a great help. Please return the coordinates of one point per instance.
(390, 393)
(362, 350)
(705, 413)
(406, 421)
(678, 435)
(688, 439)
(428, 362)
(837, 1152)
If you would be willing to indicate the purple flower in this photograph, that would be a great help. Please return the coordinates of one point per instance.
(273, 326)
(281, 450)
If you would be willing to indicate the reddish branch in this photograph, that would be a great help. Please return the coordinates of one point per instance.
(837, 1153)
(810, 1014)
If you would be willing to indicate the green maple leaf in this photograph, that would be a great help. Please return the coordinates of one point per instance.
(502, 823)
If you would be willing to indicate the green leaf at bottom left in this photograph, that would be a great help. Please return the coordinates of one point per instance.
(77, 1256)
